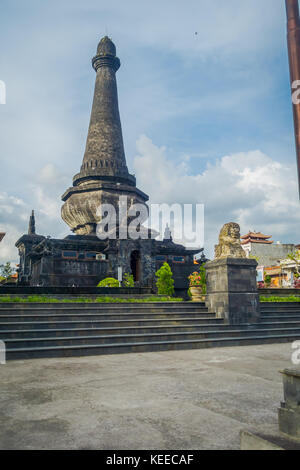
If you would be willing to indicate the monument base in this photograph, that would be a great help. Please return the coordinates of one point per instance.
(262, 440)
(231, 290)
(289, 412)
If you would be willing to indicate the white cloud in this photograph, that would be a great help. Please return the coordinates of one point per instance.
(249, 188)
(43, 195)
(47, 189)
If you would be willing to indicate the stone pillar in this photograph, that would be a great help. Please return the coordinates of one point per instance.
(232, 291)
(289, 412)
(293, 39)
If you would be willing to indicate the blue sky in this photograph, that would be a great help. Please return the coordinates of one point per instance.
(208, 115)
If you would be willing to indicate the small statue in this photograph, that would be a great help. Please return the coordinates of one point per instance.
(229, 242)
(167, 234)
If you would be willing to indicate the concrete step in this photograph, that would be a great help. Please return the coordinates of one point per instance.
(69, 311)
(12, 343)
(267, 311)
(110, 307)
(279, 323)
(63, 329)
(280, 304)
(279, 310)
(280, 317)
(206, 327)
(110, 323)
(63, 332)
(127, 347)
(100, 316)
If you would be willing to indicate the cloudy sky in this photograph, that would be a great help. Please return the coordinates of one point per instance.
(204, 102)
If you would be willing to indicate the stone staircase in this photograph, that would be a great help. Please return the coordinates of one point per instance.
(64, 329)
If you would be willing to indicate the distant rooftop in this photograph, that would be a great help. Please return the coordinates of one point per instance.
(256, 237)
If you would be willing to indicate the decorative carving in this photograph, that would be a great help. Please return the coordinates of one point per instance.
(229, 242)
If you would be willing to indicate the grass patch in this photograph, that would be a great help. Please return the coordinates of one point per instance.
(273, 298)
(104, 299)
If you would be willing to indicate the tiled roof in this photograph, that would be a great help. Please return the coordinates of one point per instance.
(250, 240)
(256, 235)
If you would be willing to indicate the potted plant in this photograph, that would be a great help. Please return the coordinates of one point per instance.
(198, 285)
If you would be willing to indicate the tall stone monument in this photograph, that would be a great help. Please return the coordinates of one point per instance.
(104, 175)
(231, 280)
(85, 257)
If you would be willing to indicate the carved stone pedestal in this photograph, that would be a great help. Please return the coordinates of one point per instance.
(232, 291)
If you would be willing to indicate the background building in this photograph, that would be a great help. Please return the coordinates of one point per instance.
(266, 252)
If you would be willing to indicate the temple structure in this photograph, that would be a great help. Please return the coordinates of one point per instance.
(88, 256)
(256, 237)
(264, 250)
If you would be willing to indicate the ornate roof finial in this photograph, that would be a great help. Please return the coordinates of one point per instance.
(31, 227)
(106, 46)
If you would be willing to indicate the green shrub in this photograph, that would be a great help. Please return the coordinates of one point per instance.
(165, 281)
(109, 282)
(268, 279)
(128, 280)
(274, 298)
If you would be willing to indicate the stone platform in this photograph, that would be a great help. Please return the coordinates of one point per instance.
(199, 399)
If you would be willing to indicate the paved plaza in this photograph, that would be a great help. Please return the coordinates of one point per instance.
(195, 399)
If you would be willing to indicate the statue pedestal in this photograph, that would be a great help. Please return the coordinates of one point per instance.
(232, 291)
(289, 412)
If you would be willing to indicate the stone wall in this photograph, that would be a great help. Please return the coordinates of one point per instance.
(269, 255)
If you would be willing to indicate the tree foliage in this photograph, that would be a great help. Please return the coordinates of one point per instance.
(109, 282)
(128, 280)
(165, 281)
(296, 258)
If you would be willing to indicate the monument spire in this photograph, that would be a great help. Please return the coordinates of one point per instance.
(31, 226)
(103, 176)
(293, 39)
(104, 155)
